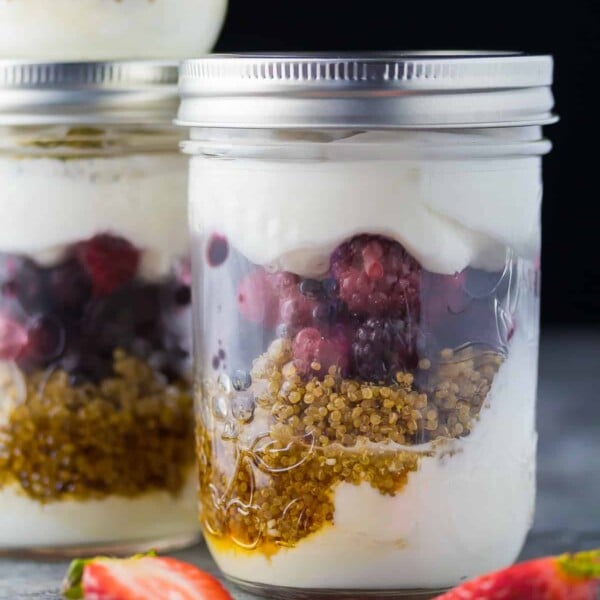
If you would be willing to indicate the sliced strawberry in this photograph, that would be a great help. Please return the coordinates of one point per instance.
(110, 262)
(140, 578)
(566, 577)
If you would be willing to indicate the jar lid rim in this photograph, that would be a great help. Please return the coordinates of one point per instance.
(85, 92)
(379, 90)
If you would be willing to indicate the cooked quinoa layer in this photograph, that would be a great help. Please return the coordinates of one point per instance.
(130, 434)
(279, 483)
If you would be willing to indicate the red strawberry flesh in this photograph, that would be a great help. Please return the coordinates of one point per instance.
(140, 578)
(567, 577)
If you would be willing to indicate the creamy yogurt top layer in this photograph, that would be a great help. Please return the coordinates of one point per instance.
(108, 29)
(291, 213)
(48, 204)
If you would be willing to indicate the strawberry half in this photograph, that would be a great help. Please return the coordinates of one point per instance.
(566, 577)
(141, 577)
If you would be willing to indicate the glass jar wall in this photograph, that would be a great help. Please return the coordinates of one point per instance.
(366, 317)
(96, 433)
(368, 360)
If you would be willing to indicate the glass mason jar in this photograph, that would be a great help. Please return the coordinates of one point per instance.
(366, 245)
(96, 433)
(109, 29)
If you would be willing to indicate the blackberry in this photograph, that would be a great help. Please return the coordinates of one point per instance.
(329, 312)
(183, 295)
(383, 347)
(311, 288)
(330, 287)
(70, 286)
(30, 287)
(377, 277)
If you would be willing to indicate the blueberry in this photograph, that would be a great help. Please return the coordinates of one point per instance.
(322, 312)
(311, 288)
(217, 250)
(330, 287)
(329, 312)
(241, 380)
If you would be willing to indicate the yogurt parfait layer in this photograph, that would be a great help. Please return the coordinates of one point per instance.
(365, 250)
(368, 364)
(96, 410)
(392, 411)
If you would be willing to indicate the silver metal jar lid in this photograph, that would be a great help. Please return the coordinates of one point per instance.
(390, 90)
(119, 92)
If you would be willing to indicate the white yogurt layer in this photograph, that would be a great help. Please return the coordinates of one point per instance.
(27, 524)
(108, 29)
(465, 511)
(449, 214)
(48, 204)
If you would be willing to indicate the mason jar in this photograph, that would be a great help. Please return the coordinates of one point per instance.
(366, 260)
(109, 29)
(96, 433)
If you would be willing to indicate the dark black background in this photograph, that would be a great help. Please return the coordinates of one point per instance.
(568, 30)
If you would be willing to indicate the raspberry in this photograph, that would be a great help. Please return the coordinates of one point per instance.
(377, 277)
(110, 261)
(274, 298)
(329, 312)
(256, 299)
(13, 338)
(296, 305)
(382, 347)
(314, 354)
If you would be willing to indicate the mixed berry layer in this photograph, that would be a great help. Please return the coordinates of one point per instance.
(365, 371)
(94, 398)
